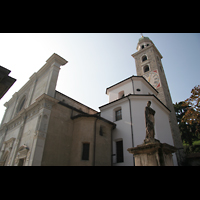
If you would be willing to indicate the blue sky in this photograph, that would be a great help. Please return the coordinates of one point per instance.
(97, 61)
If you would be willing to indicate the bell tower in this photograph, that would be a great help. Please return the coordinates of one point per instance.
(148, 64)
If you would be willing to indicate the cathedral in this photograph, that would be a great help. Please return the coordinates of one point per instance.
(43, 127)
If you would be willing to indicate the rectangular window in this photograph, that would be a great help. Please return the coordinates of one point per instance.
(118, 115)
(85, 152)
(119, 150)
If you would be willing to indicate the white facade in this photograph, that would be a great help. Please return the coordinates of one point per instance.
(131, 85)
(25, 122)
(132, 106)
(42, 82)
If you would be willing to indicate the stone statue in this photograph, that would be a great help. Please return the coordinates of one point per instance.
(149, 119)
(152, 152)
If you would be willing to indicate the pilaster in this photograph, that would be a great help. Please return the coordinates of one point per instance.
(52, 80)
(41, 130)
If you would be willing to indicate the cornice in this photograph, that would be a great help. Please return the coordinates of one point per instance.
(46, 97)
(44, 101)
(93, 116)
(56, 58)
(134, 96)
(146, 48)
(114, 103)
(129, 79)
(53, 60)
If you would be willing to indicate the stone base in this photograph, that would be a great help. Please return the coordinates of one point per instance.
(150, 140)
(153, 154)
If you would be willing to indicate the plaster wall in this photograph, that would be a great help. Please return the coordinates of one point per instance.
(138, 86)
(121, 132)
(123, 128)
(114, 92)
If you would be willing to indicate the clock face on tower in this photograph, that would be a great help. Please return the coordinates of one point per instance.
(153, 78)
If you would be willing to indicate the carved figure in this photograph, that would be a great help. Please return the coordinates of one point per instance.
(149, 119)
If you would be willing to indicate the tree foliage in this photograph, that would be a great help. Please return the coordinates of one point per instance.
(185, 128)
(188, 117)
(192, 115)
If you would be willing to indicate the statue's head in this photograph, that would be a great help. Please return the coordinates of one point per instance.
(148, 103)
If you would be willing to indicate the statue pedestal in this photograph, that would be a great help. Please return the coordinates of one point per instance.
(153, 154)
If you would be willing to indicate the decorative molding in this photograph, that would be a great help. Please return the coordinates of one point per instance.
(6, 150)
(9, 143)
(46, 97)
(23, 153)
(142, 50)
(54, 59)
(44, 101)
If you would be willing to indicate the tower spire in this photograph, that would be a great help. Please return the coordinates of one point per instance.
(141, 34)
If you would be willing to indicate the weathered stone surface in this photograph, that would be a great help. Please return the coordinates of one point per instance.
(150, 121)
(153, 154)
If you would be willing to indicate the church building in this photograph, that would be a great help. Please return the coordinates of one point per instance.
(43, 127)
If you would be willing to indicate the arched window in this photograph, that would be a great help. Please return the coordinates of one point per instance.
(146, 68)
(21, 103)
(144, 58)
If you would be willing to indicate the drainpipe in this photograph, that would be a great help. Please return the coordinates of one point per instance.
(94, 146)
(131, 127)
(131, 121)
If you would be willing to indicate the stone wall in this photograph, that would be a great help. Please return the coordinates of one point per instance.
(67, 133)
